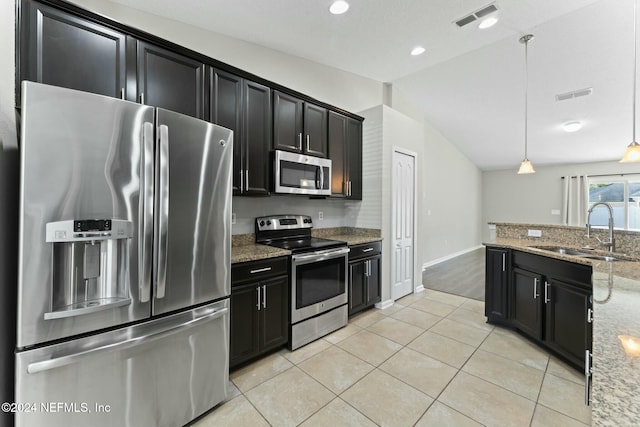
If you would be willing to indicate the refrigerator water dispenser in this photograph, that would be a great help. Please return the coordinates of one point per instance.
(90, 266)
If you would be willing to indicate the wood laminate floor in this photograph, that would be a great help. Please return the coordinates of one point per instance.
(462, 275)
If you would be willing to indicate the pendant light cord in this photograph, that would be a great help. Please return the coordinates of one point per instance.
(526, 93)
(635, 63)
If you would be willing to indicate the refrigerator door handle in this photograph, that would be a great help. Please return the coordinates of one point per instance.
(146, 223)
(163, 212)
(70, 359)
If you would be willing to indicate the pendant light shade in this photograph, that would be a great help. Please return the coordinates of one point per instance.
(526, 166)
(633, 150)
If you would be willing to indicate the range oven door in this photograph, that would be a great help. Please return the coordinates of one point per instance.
(318, 282)
(302, 174)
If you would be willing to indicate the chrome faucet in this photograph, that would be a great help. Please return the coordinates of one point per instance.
(611, 243)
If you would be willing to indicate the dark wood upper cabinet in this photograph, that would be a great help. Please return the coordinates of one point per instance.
(244, 107)
(299, 126)
(345, 152)
(169, 80)
(65, 50)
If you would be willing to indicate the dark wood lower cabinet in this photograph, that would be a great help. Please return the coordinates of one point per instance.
(259, 309)
(547, 299)
(364, 277)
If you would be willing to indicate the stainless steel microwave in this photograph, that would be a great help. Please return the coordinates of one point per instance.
(301, 174)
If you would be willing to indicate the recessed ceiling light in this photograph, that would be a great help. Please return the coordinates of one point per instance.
(339, 7)
(487, 23)
(418, 50)
(572, 126)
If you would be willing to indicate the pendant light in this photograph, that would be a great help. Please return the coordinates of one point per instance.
(526, 166)
(633, 150)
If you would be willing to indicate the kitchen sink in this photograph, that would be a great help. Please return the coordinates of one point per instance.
(575, 252)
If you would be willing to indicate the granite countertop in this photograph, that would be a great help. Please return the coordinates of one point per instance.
(616, 297)
(245, 249)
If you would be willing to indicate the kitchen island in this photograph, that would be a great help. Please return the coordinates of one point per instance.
(615, 400)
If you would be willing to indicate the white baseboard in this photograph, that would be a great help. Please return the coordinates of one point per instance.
(384, 304)
(418, 289)
(448, 257)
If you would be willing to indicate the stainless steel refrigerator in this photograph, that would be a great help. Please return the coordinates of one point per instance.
(124, 262)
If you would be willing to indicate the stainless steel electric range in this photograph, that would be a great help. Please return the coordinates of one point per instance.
(318, 276)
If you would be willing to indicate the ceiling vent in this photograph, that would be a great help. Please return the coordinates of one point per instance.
(574, 94)
(478, 14)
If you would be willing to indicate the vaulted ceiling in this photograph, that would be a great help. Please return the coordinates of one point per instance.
(470, 83)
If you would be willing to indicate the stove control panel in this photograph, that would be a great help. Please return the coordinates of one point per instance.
(283, 222)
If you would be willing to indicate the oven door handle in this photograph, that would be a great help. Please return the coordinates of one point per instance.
(321, 255)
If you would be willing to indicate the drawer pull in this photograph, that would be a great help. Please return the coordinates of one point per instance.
(260, 270)
(367, 250)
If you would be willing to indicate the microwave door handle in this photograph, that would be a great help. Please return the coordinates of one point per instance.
(318, 172)
(321, 177)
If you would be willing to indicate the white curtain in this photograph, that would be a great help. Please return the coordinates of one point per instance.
(575, 200)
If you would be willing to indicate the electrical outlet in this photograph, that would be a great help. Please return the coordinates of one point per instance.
(321, 215)
(535, 233)
(233, 218)
(555, 211)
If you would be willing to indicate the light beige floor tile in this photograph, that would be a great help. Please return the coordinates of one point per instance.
(471, 318)
(441, 415)
(259, 372)
(417, 318)
(411, 298)
(563, 370)
(446, 298)
(367, 318)
(420, 371)
(391, 310)
(338, 413)
(506, 373)
(460, 332)
(236, 412)
(305, 352)
(336, 369)
(566, 397)
(343, 333)
(386, 400)
(474, 305)
(487, 403)
(395, 330)
(232, 391)
(444, 349)
(512, 346)
(289, 398)
(434, 307)
(369, 347)
(545, 417)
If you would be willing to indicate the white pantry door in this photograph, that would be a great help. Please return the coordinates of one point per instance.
(402, 223)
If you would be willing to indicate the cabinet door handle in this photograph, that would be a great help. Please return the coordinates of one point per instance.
(307, 142)
(366, 268)
(142, 98)
(535, 288)
(367, 250)
(121, 93)
(241, 179)
(349, 189)
(587, 377)
(589, 315)
(258, 305)
(504, 261)
(300, 141)
(264, 296)
(546, 292)
(246, 178)
(260, 270)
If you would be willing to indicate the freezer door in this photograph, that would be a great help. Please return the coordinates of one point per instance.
(193, 206)
(83, 160)
(160, 373)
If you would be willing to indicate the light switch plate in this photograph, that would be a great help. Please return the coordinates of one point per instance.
(535, 233)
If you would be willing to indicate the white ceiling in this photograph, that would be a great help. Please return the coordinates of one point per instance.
(470, 83)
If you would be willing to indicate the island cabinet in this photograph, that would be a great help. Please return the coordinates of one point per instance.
(65, 50)
(244, 106)
(551, 301)
(364, 276)
(498, 262)
(345, 152)
(299, 126)
(259, 319)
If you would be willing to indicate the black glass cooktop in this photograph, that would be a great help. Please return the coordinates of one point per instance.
(307, 244)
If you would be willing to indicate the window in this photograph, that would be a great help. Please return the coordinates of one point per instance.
(622, 192)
